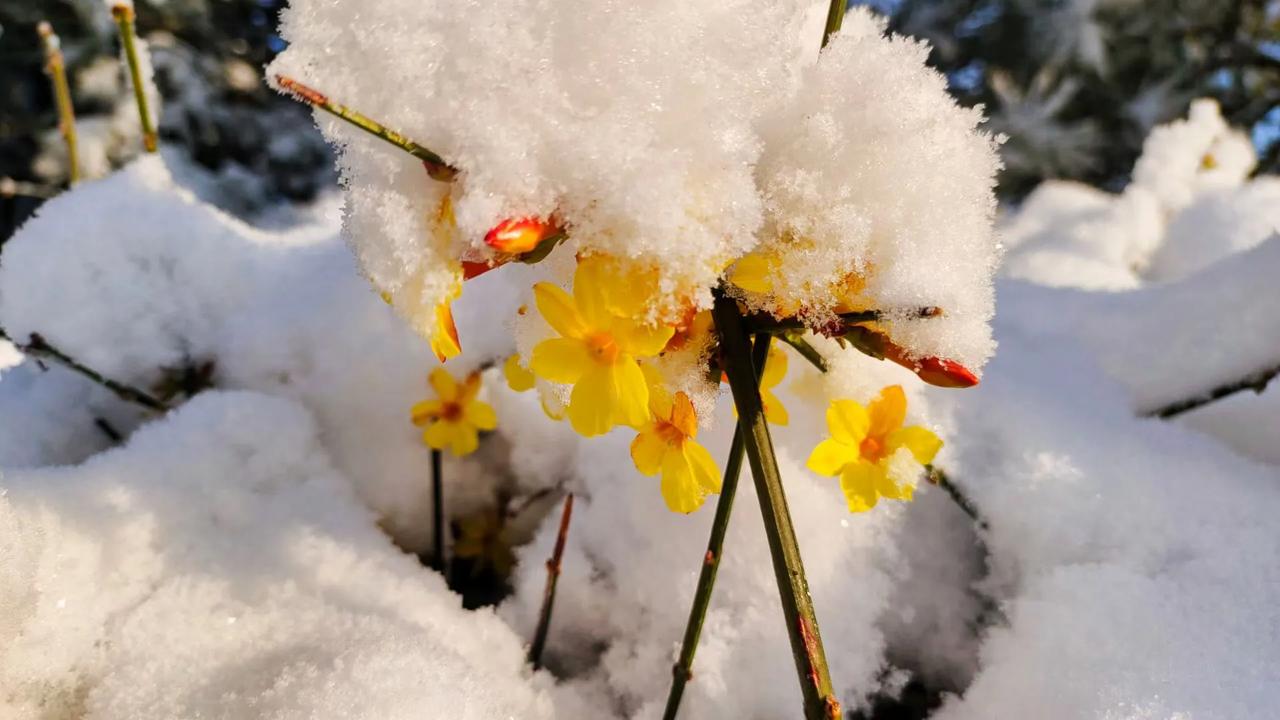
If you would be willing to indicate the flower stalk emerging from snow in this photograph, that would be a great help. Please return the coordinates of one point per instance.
(123, 15)
(56, 66)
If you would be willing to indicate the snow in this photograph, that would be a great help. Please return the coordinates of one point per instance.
(249, 553)
(220, 566)
(661, 135)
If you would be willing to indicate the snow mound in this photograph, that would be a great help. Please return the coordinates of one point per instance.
(219, 566)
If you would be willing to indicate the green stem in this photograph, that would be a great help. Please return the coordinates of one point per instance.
(835, 18)
(437, 168)
(56, 66)
(761, 322)
(124, 20)
(682, 671)
(793, 588)
(549, 594)
(437, 508)
(807, 351)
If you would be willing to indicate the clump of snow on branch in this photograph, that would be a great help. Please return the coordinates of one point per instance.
(670, 137)
(877, 191)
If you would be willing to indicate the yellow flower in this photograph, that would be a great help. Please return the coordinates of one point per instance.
(775, 369)
(754, 272)
(519, 378)
(596, 351)
(454, 419)
(863, 441)
(667, 445)
(444, 334)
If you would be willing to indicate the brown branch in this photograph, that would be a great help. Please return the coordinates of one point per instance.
(39, 348)
(1256, 382)
(549, 594)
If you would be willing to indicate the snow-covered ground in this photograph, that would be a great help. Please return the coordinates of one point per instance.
(249, 553)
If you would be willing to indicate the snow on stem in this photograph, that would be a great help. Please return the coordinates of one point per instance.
(437, 168)
(797, 606)
(39, 348)
(123, 14)
(549, 594)
(56, 67)
(682, 670)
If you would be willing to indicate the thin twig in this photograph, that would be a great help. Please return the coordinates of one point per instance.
(56, 66)
(763, 322)
(40, 348)
(939, 477)
(123, 14)
(549, 594)
(1256, 382)
(108, 429)
(436, 166)
(807, 351)
(682, 670)
(797, 606)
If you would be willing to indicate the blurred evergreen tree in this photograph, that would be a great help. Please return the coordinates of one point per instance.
(1077, 84)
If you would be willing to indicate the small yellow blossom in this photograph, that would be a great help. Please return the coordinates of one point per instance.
(667, 444)
(597, 350)
(519, 378)
(453, 420)
(862, 442)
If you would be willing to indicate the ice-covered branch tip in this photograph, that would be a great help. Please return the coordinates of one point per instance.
(56, 66)
(436, 166)
(40, 348)
(123, 14)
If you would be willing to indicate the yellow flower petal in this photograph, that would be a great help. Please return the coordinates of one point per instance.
(445, 386)
(775, 368)
(563, 360)
(463, 439)
(848, 422)
(591, 283)
(887, 411)
(421, 413)
(639, 339)
(922, 443)
(753, 272)
(481, 415)
(704, 467)
(858, 481)
(591, 402)
(630, 393)
(559, 310)
(444, 334)
(647, 451)
(518, 377)
(683, 416)
(437, 435)
(469, 388)
(680, 487)
(774, 411)
(830, 457)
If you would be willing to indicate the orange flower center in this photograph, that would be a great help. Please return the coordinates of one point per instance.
(670, 434)
(872, 448)
(451, 412)
(603, 348)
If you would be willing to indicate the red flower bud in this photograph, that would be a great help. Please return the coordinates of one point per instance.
(519, 236)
